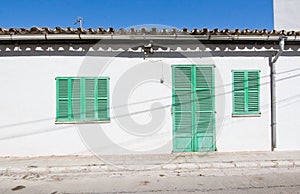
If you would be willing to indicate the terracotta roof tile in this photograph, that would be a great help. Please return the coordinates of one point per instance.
(142, 31)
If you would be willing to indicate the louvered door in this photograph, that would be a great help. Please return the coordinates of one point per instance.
(193, 108)
(204, 109)
(182, 108)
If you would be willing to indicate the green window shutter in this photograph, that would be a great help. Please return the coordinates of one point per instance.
(239, 97)
(75, 96)
(81, 99)
(90, 107)
(62, 99)
(246, 92)
(253, 92)
(103, 99)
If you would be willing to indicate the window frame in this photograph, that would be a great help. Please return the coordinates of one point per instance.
(83, 118)
(246, 112)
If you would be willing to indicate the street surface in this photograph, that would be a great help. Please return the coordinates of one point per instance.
(269, 180)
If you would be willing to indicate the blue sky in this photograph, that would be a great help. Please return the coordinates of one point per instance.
(252, 14)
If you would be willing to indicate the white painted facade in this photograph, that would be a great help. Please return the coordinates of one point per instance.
(28, 100)
(28, 106)
(288, 91)
(286, 15)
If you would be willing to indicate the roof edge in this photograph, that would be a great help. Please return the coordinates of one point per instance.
(144, 31)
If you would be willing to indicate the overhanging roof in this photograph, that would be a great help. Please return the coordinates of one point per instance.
(142, 31)
(58, 33)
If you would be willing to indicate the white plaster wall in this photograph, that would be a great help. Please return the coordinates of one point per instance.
(27, 106)
(242, 133)
(286, 14)
(288, 103)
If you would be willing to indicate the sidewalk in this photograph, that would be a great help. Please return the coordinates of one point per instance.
(175, 161)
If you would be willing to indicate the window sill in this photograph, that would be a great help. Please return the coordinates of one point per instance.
(81, 122)
(246, 115)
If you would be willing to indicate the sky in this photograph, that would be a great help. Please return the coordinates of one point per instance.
(231, 14)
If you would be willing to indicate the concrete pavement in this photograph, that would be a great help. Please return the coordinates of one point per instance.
(271, 181)
(174, 161)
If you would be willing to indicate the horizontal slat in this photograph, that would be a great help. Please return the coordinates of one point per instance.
(205, 122)
(204, 100)
(183, 122)
(238, 81)
(102, 109)
(62, 88)
(253, 101)
(183, 100)
(102, 88)
(253, 80)
(183, 77)
(75, 109)
(63, 109)
(89, 88)
(204, 77)
(239, 101)
(90, 108)
(75, 88)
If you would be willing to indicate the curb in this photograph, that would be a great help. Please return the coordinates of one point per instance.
(170, 166)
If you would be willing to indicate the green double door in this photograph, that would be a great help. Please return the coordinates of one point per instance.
(193, 108)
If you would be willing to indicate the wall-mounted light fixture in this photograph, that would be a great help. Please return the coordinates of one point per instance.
(148, 49)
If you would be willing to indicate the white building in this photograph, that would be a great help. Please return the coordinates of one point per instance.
(286, 15)
(68, 91)
(95, 91)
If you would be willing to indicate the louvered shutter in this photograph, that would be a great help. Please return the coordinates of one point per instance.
(75, 89)
(182, 108)
(82, 99)
(239, 96)
(90, 102)
(246, 84)
(204, 109)
(62, 99)
(204, 98)
(103, 99)
(193, 108)
(253, 92)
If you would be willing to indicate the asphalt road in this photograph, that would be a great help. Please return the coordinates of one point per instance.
(201, 181)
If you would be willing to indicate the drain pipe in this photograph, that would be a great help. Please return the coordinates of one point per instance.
(273, 92)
